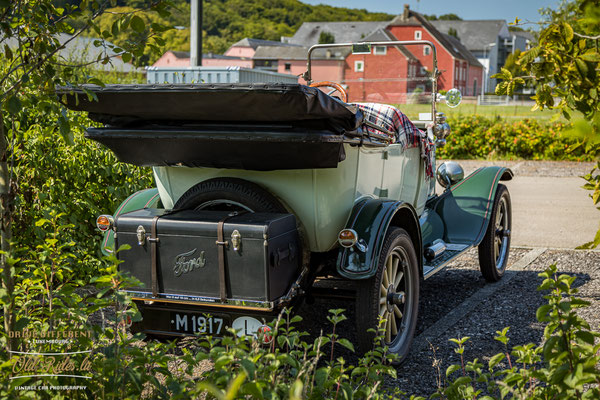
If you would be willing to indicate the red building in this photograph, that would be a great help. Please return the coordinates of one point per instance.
(458, 67)
(386, 75)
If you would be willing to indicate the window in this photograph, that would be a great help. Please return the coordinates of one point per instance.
(426, 50)
(288, 66)
(380, 50)
(475, 87)
(359, 66)
(417, 35)
(423, 71)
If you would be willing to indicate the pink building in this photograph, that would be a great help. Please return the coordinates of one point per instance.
(182, 59)
(327, 65)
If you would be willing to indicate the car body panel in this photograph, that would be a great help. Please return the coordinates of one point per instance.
(146, 198)
(322, 199)
(459, 216)
(464, 209)
(371, 219)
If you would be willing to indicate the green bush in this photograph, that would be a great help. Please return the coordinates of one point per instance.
(477, 137)
(123, 367)
(81, 180)
(47, 298)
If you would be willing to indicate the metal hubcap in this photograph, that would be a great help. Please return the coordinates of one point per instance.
(501, 234)
(392, 301)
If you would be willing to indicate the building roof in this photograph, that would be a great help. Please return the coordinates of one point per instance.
(453, 46)
(475, 34)
(524, 34)
(467, 55)
(348, 31)
(82, 50)
(298, 53)
(383, 35)
(255, 43)
(180, 54)
(186, 55)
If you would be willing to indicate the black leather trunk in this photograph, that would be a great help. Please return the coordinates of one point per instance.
(261, 267)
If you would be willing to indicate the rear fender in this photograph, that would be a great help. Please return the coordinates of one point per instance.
(371, 219)
(466, 208)
(147, 198)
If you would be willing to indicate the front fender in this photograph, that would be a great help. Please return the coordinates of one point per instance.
(465, 209)
(146, 198)
(370, 219)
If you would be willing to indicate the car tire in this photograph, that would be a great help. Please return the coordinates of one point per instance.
(379, 297)
(495, 246)
(229, 194)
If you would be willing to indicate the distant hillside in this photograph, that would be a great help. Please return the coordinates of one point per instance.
(228, 21)
(233, 20)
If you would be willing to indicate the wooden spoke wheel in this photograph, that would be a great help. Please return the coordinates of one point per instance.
(392, 295)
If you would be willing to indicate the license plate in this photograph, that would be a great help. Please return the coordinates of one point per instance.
(203, 324)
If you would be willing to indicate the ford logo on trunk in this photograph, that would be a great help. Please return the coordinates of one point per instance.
(183, 265)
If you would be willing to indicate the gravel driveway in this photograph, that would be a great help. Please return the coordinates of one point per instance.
(482, 308)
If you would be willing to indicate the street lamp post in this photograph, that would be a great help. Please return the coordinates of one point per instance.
(484, 86)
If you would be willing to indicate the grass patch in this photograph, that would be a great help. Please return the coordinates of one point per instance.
(512, 112)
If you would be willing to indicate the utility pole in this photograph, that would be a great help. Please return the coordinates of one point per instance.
(196, 34)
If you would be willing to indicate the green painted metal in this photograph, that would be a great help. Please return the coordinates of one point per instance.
(147, 198)
(465, 209)
(370, 219)
(321, 199)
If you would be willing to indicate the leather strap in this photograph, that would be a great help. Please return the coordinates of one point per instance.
(221, 243)
(153, 239)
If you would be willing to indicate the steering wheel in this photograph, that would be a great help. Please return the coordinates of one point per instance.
(336, 86)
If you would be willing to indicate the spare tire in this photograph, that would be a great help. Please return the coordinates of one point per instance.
(229, 194)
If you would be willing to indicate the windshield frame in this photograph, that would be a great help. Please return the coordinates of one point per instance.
(308, 77)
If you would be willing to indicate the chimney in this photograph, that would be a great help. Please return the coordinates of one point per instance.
(406, 12)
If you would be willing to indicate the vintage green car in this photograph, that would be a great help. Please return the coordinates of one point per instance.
(263, 188)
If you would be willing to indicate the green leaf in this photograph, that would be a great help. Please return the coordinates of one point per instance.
(542, 312)
(126, 57)
(8, 52)
(13, 105)
(591, 55)
(346, 343)
(137, 24)
(115, 28)
(451, 369)
(496, 359)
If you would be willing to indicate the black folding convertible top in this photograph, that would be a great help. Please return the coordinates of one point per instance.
(245, 126)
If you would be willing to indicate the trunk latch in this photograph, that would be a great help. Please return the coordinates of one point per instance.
(236, 240)
(141, 235)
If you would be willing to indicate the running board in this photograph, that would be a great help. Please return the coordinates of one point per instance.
(450, 254)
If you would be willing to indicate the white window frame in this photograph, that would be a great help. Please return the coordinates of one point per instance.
(418, 35)
(377, 50)
(359, 66)
(426, 50)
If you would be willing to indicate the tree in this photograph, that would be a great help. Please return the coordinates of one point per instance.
(449, 17)
(30, 69)
(565, 65)
(326, 37)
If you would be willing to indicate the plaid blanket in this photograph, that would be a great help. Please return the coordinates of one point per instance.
(405, 132)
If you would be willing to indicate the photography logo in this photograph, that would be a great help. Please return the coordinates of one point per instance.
(34, 364)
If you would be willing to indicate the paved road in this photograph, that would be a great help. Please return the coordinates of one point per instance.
(550, 209)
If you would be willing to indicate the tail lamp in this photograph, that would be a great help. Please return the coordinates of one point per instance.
(105, 222)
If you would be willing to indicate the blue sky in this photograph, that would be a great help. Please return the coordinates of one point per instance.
(466, 9)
